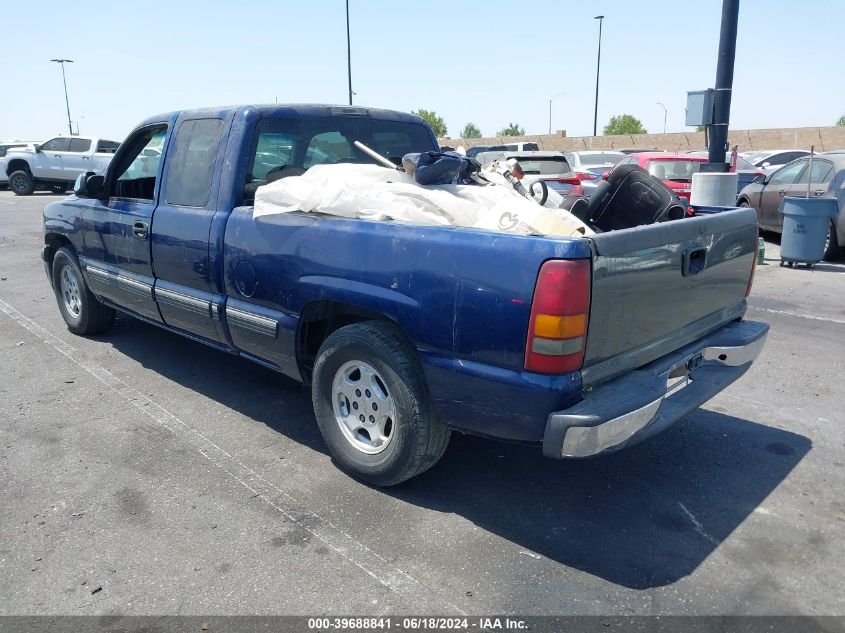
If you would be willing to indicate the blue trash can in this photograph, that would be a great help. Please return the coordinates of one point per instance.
(805, 225)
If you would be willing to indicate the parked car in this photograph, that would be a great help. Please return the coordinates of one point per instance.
(404, 332)
(676, 170)
(767, 192)
(56, 163)
(551, 167)
(638, 150)
(589, 165)
(771, 160)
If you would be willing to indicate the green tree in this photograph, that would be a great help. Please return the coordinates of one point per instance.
(513, 129)
(470, 131)
(841, 120)
(437, 123)
(624, 124)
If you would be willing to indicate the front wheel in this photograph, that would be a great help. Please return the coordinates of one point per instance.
(80, 309)
(373, 407)
(21, 183)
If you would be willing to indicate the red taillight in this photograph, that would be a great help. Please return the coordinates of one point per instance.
(585, 175)
(557, 328)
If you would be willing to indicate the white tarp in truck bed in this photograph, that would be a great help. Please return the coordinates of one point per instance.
(373, 192)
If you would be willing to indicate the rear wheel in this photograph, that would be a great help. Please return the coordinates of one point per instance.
(21, 183)
(832, 249)
(80, 309)
(373, 407)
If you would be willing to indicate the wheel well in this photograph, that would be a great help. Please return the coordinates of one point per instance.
(54, 242)
(319, 319)
(17, 165)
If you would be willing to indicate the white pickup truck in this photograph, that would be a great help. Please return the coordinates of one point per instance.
(56, 163)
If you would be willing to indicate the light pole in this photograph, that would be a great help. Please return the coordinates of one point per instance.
(600, 18)
(348, 53)
(64, 81)
(560, 94)
(664, 116)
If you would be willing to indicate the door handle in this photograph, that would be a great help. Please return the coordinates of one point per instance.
(782, 192)
(818, 192)
(140, 229)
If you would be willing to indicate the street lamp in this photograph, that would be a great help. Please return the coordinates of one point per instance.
(560, 94)
(67, 104)
(348, 53)
(600, 18)
(664, 116)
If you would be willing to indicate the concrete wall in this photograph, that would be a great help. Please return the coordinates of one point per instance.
(824, 139)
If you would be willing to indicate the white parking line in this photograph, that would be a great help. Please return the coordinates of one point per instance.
(800, 316)
(374, 565)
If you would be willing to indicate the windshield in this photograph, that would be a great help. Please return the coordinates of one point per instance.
(674, 170)
(543, 166)
(605, 158)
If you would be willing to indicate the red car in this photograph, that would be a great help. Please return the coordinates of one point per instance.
(675, 170)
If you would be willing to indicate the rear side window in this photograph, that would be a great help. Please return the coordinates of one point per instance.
(191, 164)
(106, 147)
(288, 146)
(79, 145)
(822, 173)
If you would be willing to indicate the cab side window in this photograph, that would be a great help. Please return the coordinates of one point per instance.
(136, 169)
(56, 145)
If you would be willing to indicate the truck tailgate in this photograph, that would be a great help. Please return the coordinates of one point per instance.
(656, 288)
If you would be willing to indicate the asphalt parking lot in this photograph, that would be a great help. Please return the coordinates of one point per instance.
(143, 473)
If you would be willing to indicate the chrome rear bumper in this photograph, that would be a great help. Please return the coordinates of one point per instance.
(637, 405)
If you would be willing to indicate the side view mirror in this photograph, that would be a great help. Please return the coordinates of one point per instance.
(89, 185)
(766, 165)
(760, 179)
(37, 148)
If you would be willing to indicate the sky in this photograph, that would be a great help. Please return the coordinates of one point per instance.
(491, 62)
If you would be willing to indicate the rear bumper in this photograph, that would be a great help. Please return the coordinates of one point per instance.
(641, 403)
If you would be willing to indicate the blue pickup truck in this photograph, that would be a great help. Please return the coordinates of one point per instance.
(403, 332)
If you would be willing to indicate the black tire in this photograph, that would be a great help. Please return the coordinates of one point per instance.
(21, 183)
(55, 188)
(90, 316)
(417, 438)
(833, 250)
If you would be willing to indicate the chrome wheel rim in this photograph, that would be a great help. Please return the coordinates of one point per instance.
(71, 291)
(363, 408)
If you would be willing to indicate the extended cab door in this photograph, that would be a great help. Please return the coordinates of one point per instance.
(181, 227)
(116, 230)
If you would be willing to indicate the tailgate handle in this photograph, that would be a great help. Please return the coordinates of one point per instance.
(695, 260)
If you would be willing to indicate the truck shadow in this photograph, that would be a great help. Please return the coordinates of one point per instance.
(641, 518)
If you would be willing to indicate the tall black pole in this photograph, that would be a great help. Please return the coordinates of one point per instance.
(600, 18)
(348, 53)
(724, 84)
